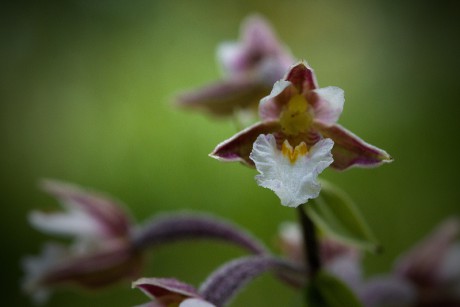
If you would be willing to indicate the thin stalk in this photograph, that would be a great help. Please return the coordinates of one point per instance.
(312, 258)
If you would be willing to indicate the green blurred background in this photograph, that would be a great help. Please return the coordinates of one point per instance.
(86, 90)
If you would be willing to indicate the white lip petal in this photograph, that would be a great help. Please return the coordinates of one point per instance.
(294, 182)
(70, 223)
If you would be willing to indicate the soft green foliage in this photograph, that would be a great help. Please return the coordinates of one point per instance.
(326, 290)
(336, 214)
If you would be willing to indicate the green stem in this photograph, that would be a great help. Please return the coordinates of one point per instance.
(311, 245)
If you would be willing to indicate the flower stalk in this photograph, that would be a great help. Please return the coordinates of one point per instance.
(311, 245)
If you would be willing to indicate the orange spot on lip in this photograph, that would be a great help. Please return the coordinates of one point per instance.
(293, 153)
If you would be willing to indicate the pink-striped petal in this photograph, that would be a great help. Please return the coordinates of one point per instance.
(271, 106)
(239, 147)
(327, 103)
(302, 76)
(170, 292)
(165, 290)
(349, 150)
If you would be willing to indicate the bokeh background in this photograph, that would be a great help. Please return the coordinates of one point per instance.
(86, 90)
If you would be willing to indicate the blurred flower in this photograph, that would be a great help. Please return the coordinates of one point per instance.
(108, 246)
(170, 292)
(387, 291)
(219, 288)
(428, 275)
(294, 141)
(60, 266)
(258, 49)
(339, 259)
(433, 266)
(101, 254)
(250, 67)
(88, 216)
(344, 262)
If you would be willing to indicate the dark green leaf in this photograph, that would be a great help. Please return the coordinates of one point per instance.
(337, 215)
(327, 291)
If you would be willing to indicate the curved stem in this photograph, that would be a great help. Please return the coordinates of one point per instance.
(182, 226)
(222, 285)
(312, 258)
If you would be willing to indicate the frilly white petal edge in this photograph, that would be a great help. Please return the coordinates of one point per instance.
(293, 182)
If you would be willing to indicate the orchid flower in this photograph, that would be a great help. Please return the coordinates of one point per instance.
(101, 252)
(108, 246)
(219, 288)
(250, 68)
(298, 138)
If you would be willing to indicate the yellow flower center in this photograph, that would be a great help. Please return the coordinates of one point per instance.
(295, 118)
(293, 153)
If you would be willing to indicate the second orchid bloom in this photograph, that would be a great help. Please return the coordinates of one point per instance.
(250, 67)
(297, 138)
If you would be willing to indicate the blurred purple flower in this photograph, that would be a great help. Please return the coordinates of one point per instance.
(250, 68)
(387, 291)
(428, 275)
(101, 253)
(433, 266)
(88, 216)
(257, 49)
(62, 266)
